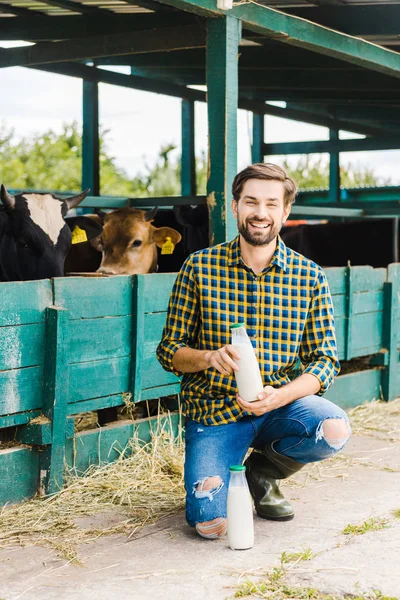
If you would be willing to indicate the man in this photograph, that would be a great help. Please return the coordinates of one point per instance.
(284, 300)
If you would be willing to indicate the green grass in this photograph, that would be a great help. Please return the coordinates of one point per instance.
(372, 524)
(396, 513)
(291, 557)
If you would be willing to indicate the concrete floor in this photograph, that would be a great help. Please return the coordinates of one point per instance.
(167, 561)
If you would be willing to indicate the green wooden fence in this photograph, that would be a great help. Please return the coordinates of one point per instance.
(79, 344)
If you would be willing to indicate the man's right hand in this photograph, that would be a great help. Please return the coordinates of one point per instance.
(222, 359)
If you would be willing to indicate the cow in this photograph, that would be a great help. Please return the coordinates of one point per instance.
(361, 242)
(84, 255)
(34, 237)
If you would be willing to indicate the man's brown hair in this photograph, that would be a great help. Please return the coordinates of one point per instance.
(266, 171)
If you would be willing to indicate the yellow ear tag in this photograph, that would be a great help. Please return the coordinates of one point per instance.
(167, 247)
(78, 235)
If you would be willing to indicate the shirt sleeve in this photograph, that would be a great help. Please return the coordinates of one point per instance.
(318, 350)
(183, 319)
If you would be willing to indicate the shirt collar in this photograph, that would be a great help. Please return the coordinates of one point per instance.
(278, 258)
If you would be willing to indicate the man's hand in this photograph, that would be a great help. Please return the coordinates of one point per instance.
(269, 399)
(222, 359)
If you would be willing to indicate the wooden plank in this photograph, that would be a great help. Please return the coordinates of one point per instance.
(21, 346)
(222, 53)
(55, 400)
(322, 146)
(258, 137)
(101, 338)
(339, 305)
(100, 378)
(160, 391)
(154, 375)
(95, 404)
(24, 302)
(188, 164)
(366, 334)
(153, 326)
(19, 468)
(106, 444)
(349, 311)
(18, 419)
(355, 388)
(368, 279)
(336, 279)
(340, 327)
(138, 332)
(91, 297)
(365, 302)
(20, 390)
(114, 44)
(157, 289)
(391, 333)
(334, 169)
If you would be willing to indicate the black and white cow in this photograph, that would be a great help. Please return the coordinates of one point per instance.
(34, 238)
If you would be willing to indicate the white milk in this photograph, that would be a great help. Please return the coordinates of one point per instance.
(248, 378)
(240, 518)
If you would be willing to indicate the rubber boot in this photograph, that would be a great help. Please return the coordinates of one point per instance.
(264, 469)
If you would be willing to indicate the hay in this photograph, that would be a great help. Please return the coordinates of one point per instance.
(377, 419)
(145, 486)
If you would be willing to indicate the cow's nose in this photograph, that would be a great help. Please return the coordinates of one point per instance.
(106, 271)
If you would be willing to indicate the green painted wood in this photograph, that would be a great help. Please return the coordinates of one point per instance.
(258, 138)
(336, 279)
(366, 302)
(339, 305)
(21, 346)
(100, 338)
(19, 468)
(20, 390)
(91, 297)
(95, 404)
(367, 279)
(188, 165)
(90, 137)
(340, 328)
(159, 391)
(99, 378)
(304, 34)
(106, 444)
(55, 399)
(18, 419)
(138, 333)
(366, 334)
(41, 434)
(350, 145)
(157, 288)
(223, 37)
(334, 169)
(153, 374)
(355, 388)
(24, 302)
(349, 312)
(153, 326)
(391, 333)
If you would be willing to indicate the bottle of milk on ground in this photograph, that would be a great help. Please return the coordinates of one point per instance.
(240, 510)
(248, 378)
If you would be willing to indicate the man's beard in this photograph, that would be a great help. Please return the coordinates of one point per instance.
(256, 239)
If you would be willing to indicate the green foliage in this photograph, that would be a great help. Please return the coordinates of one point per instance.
(54, 161)
(312, 172)
(372, 524)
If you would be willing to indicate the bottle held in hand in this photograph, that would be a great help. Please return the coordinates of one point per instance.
(248, 377)
(240, 510)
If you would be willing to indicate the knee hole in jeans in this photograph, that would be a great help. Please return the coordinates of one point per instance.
(212, 529)
(334, 431)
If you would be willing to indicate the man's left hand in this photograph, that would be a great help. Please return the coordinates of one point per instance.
(269, 399)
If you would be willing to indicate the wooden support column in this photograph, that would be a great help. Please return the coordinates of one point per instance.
(188, 165)
(334, 170)
(391, 315)
(90, 138)
(55, 400)
(223, 37)
(257, 155)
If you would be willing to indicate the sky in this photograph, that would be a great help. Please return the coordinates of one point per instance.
(139, 123)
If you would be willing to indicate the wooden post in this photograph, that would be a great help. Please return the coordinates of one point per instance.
(223, 37)
(90, 138)
(391, 315)
(334, 170)
(349, 313)
(188, 165)
(258, 139)
(55, 399)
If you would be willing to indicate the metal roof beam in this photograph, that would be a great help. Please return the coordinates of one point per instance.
(19, 11)
(364, 20)
(166, 40)
(297, 32)
(355, 145)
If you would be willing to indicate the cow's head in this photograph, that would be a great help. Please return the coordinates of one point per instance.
(34, 238)
(129, 242)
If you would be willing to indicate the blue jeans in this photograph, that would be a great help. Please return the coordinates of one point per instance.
(295, 429)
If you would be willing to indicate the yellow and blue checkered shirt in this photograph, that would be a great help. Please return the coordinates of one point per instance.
(287, 310)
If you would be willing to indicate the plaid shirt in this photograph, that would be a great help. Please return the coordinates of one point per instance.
(287, 310)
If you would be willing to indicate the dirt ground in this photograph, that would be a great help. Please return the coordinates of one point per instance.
(168, 561)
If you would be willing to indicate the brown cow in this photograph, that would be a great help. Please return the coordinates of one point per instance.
(129, 242)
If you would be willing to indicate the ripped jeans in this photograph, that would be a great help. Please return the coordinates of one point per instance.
(296, 430)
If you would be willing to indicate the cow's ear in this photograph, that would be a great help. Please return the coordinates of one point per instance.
(160, 234)
(90, 225)
(7, 199)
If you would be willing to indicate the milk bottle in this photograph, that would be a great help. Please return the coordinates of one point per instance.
(240, 510)
(248, 377)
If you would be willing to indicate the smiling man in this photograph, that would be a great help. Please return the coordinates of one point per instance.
(284, 301)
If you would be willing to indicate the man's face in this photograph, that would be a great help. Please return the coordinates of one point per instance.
(260, 211)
